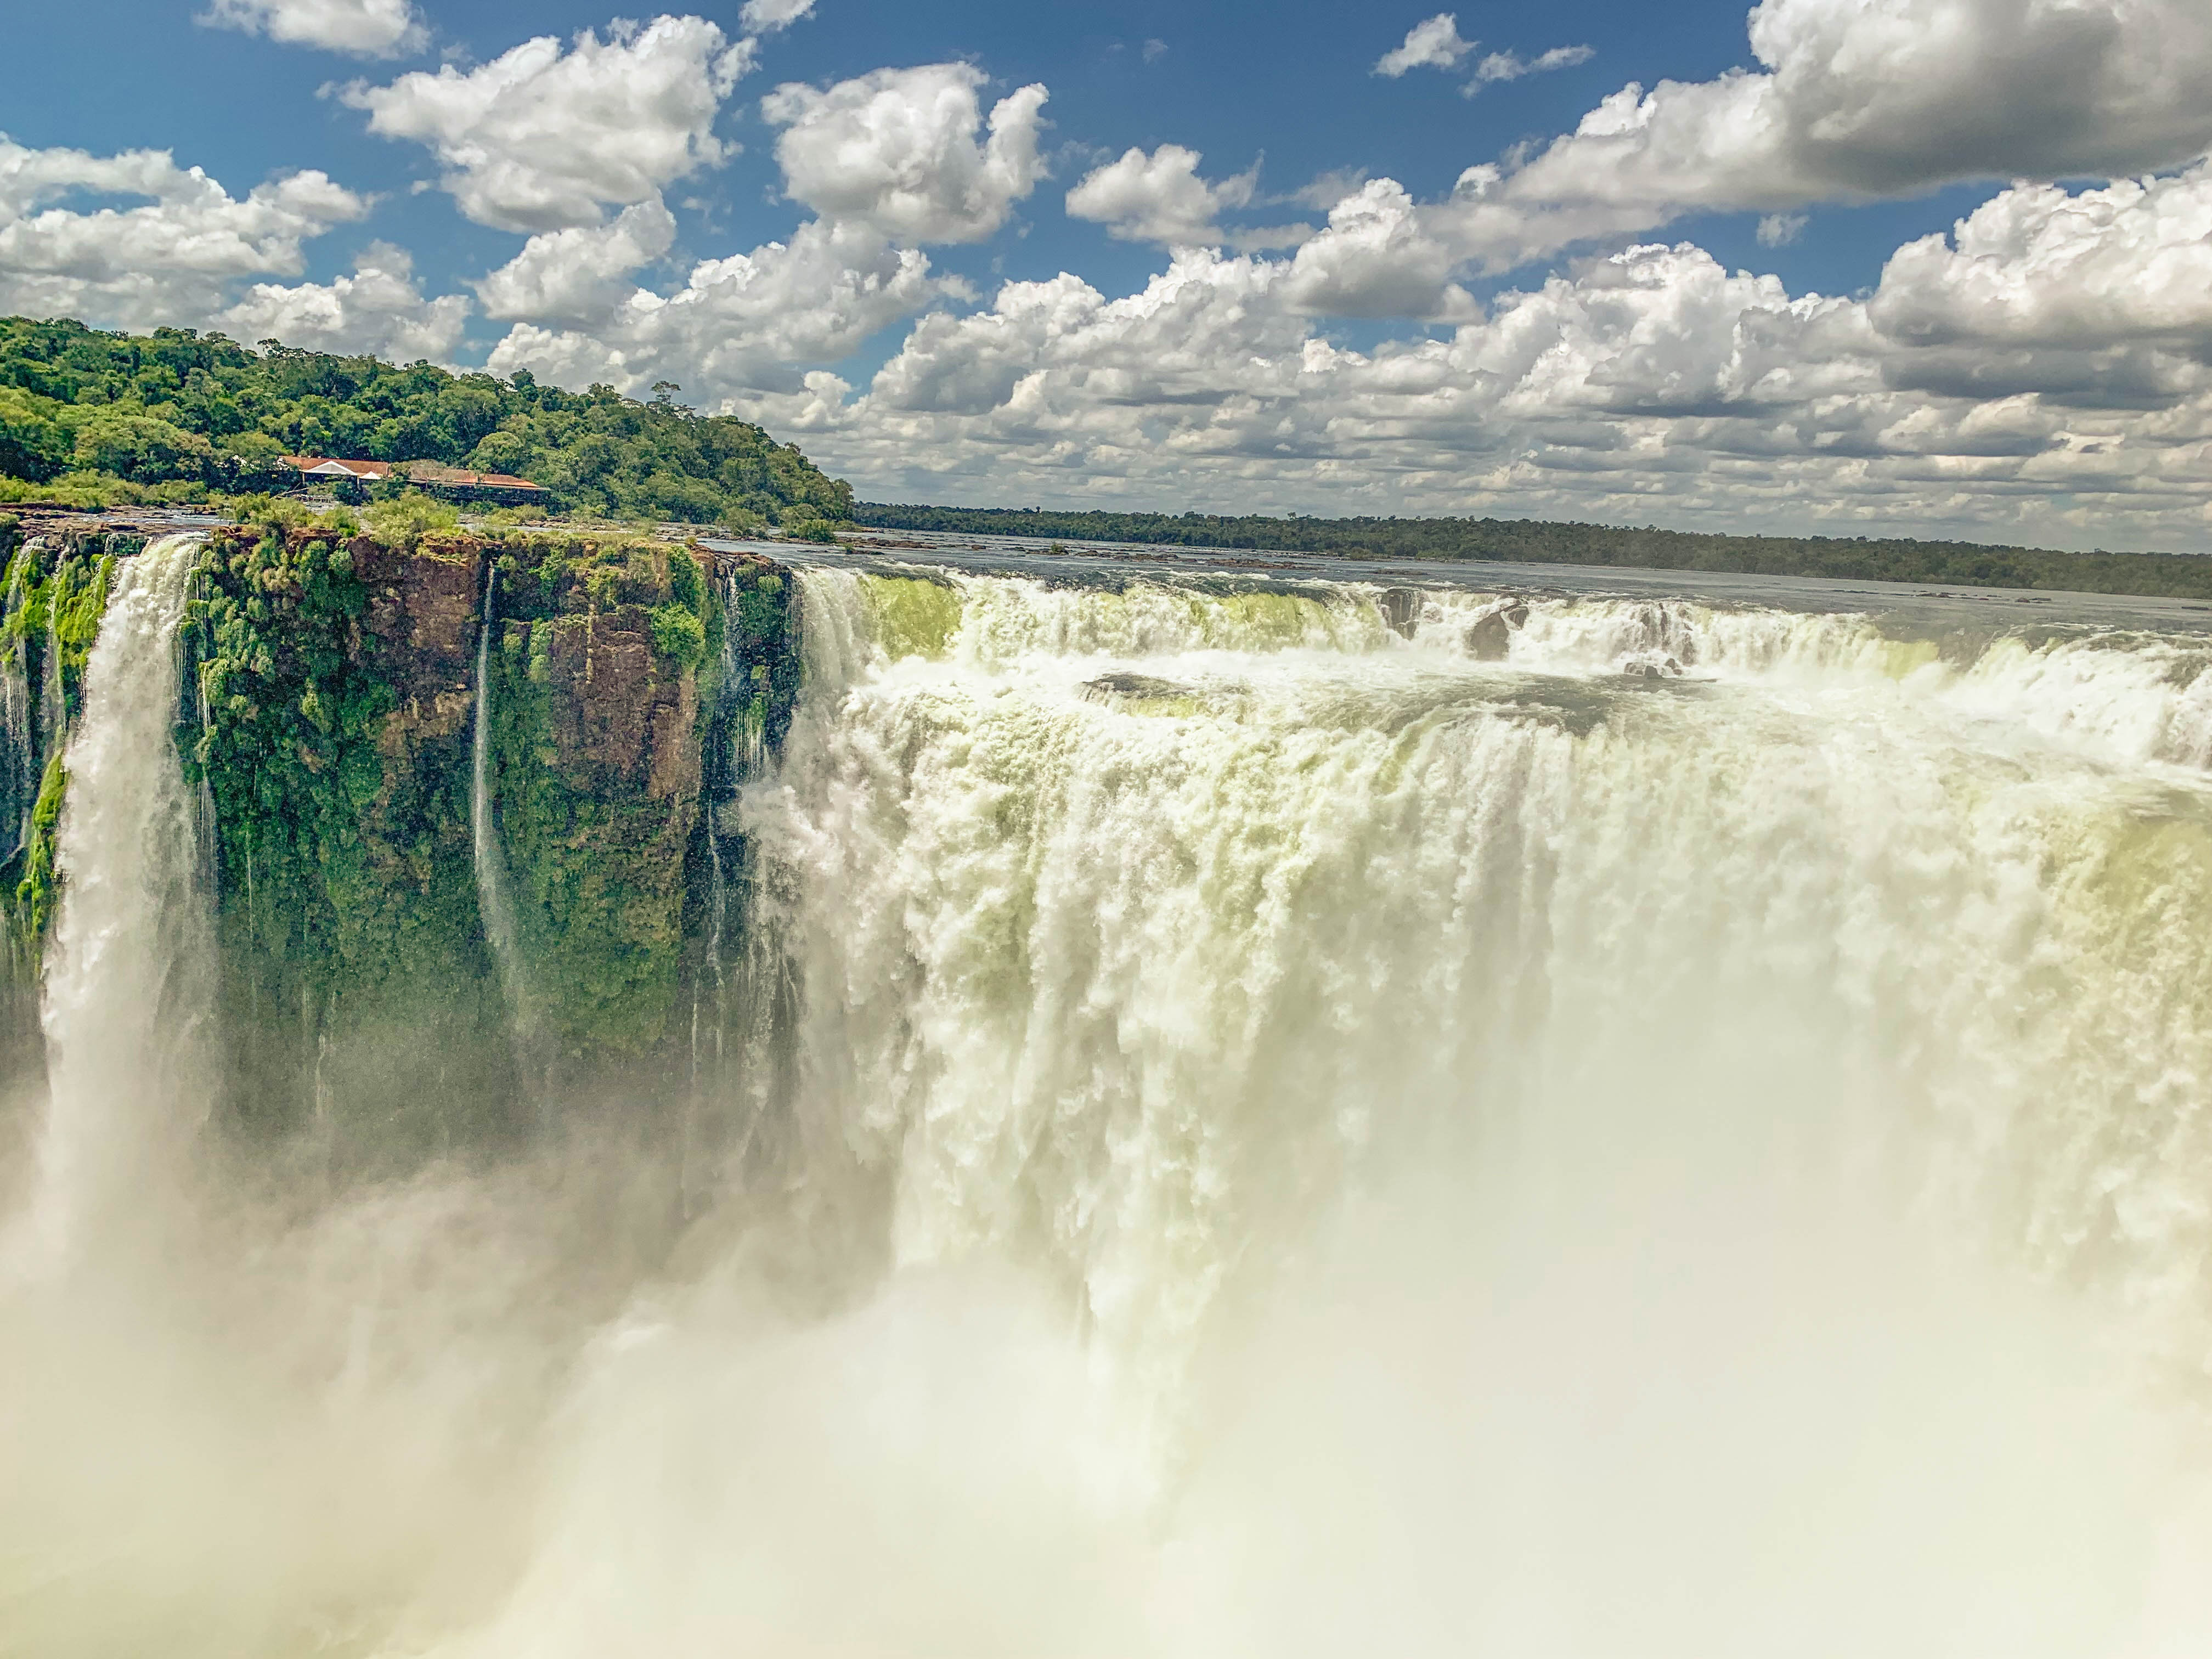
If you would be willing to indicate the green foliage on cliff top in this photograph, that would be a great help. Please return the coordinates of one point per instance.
(100, 418)
(1539, 542)
(548, 573)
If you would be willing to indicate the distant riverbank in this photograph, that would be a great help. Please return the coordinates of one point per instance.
(2165, 576)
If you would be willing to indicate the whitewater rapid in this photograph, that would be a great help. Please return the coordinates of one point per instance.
(1255, 1117)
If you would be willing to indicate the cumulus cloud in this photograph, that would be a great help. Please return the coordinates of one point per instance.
(747, 325)
(543, 135)
(2038, 265)
(1378, 259)
(378, 310)
(1433, 43)
(367, 29)
(895, 151)
(1650, 383)
(171, 259)
(766, 17)
(1159, 197)
(1875, 98)
(578, 277)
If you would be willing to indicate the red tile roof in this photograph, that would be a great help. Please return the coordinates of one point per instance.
(435, 472)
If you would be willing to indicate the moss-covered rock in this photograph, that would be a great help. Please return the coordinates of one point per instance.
(337, 690)
(52, 598)
(596, 767)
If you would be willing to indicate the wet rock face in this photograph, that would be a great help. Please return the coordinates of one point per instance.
(620, 722)
(1110, 688)
(1402, 609)
(420, 625)
(364, 661)
(1490, 637)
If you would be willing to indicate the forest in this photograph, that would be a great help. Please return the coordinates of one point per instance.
(1541, 542)
(90, 419)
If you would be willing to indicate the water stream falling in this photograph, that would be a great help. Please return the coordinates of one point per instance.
(492, 903)
(125, 998)
(1243, 1120)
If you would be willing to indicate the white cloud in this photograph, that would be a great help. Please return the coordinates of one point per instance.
(1511, 66)
(1857, 100)
(1653, 384)
(1433, 43)
(1159, 198)
(1781, 230)
(1377, 259)
(895, 151)
(540, 137)
(747, 325)
(2039, 266)
(766, 17)
(576, 277)
(171, 259)
(378, 310)
(367, 29)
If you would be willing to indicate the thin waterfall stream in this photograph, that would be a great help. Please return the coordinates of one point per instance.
(493, 901)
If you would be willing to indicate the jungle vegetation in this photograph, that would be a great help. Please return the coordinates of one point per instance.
(1537, 542)
(89, 418)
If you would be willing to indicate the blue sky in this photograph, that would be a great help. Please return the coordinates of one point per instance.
(1620, 326)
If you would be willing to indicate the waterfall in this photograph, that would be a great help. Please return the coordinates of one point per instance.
(492, 903)
(1096, 960)
(734, 1007)
(125, 1000)
(1257, 1118)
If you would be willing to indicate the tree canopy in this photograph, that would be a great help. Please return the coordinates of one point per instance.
(175, 414)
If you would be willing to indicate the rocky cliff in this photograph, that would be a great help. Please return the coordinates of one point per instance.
(331, 718)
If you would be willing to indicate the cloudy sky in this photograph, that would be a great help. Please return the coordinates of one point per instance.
(1846, 266)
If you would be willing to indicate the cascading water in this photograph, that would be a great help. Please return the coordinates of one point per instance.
(1598, 1130)
(492, 903)
(740, 991)
(125, 986)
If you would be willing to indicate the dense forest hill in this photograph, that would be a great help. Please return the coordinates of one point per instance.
(94, 419)
(1536, 542)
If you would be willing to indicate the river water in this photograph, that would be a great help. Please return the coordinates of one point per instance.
(1558, 1116)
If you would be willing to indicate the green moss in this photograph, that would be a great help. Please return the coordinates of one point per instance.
(54, 598)
(596, 861)
(679, 634)
(346, 894)
(38, 892)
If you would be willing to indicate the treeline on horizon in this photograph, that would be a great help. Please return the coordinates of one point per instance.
(1530, 541)
(91, 419)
